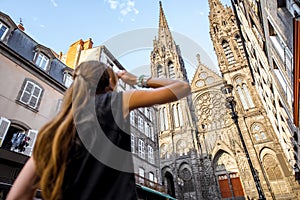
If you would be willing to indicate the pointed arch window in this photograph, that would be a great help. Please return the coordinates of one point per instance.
(228, 52)
(258, 132)
(244, 94)
(175, 115)
(171, 70)
(161, 119)
(240, 44)
(166, 122)
(159, 71)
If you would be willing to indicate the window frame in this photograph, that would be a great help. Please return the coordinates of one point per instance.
(23, 90)
(39, 54)
(2, 37)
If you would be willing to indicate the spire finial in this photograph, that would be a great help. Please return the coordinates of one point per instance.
(198, 58)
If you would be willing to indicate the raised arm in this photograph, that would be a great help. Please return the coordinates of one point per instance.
(163, 91)
(24, 187)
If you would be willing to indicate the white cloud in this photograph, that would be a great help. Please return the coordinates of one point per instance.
(42, 25)
(113, 4)
(125, 7)
(54, 3)
(201, 13)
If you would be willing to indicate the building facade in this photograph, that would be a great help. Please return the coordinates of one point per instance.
(216, 164)
(268, 33)
(32, 86)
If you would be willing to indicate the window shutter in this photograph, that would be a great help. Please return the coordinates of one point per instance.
(4, 125)
(27, 92)
(32, 135)
(35, 96)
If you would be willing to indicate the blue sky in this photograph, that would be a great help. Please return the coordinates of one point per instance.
(117, 24)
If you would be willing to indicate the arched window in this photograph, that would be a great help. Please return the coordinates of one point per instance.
(171, 70)
(166, 121)
(175, 115)
(228, 52)
(258, 132)
(180, 115)
(240, 44)
(161, 119)
(244, 94)
(159, 71)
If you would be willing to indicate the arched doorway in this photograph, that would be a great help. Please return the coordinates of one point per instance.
(227, 173)
(169, 183)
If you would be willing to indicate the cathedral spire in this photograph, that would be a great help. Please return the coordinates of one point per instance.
(162, 18)
(164, 33)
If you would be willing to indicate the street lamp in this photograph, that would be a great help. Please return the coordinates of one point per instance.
(231, 104)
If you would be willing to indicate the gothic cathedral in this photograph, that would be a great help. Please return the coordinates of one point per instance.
(201, 150)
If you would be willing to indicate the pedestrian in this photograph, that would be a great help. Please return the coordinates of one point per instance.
(85, 151)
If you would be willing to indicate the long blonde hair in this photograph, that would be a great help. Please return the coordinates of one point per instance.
(57, 136)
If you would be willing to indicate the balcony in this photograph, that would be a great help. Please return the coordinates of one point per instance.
(150, 184)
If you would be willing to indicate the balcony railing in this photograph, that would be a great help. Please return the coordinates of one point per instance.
(148, 183)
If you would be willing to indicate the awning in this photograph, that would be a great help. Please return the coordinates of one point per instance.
(155, 192)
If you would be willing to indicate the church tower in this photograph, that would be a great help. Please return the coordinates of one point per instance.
(179, 165)
(228, 155)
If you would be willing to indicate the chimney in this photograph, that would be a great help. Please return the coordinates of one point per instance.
(20, 25)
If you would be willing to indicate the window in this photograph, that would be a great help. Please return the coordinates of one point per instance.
(13, 138)
(132, 118)
(166, 122)
(150, 154)
(147, 129)
(151, 133)
(171, 70)
(159, 71)
(4, 125)
(68, 80)
(258, 132)
(132, 143)
(141, 175)
(3, 31)
(41, 61)
(244, 94)
(240, 45)
(140, 124)
(31, 93)
(228, 52)
(151, 178)
(175, 115)
(141, 148)
(161, 117)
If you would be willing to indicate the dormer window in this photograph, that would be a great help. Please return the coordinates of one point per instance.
(68, 79)
(3, 31)
(41, 61)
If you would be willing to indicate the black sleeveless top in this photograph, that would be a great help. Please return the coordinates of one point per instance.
(87, 178)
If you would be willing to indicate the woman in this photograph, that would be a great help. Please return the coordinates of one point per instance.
(84, 152)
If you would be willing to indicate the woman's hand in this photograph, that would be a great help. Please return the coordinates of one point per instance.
(127, 77)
